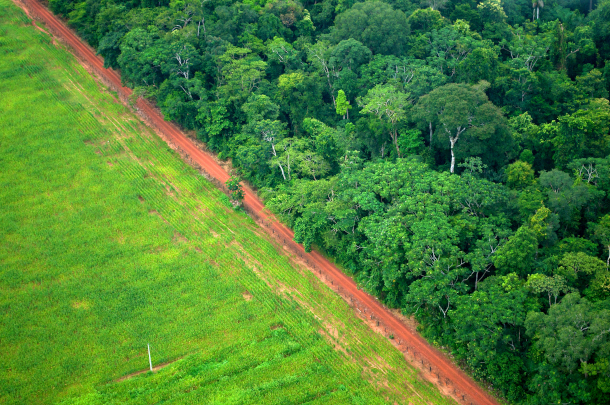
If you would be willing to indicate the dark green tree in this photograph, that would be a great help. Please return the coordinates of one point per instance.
(236, 192)
(375, 24)
(458, 112)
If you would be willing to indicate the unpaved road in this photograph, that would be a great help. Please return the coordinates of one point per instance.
(450, 379)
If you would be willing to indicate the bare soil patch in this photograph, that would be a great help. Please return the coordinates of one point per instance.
(147, 370)
(82, 304)
(178, 237)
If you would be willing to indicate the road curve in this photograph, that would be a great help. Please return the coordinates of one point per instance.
(466, 390)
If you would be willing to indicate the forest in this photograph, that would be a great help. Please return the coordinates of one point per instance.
(453, 155)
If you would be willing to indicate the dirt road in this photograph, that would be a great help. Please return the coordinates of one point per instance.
(436, 366)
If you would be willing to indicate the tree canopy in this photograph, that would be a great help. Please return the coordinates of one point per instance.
(453, 156)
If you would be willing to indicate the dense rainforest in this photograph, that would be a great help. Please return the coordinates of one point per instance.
(453, 155)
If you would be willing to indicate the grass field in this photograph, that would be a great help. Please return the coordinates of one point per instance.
(108, 242)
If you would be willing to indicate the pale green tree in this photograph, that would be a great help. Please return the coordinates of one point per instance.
(552, 286)
(571, 333)
(519, 175)
(343, 106)
(492, 11)
(388, 104)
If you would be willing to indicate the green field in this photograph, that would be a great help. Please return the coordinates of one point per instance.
(108, 242)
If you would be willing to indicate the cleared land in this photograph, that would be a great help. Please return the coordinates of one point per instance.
(108, 241)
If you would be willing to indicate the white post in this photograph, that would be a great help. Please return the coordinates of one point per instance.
(149, 360)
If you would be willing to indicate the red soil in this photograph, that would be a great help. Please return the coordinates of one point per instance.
(450, 379)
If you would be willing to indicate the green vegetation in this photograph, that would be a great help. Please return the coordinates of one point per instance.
(469, 182)
(108, 242)
(449, 153)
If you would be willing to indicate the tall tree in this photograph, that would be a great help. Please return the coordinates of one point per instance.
(374, 23)
(343, 106)
(571, 333)
(388, 104)
(459, 111)
(584, 134)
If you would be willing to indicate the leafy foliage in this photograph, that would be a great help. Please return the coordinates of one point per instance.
(452, 155)
(111, 242)
(236, 190)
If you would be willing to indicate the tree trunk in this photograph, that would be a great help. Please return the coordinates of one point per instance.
(430, 126)
(452, 140)
(289, 178)
(394, 136)
(202, 24)
(282, 169)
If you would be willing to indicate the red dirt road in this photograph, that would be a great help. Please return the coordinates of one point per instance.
(456, 383)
